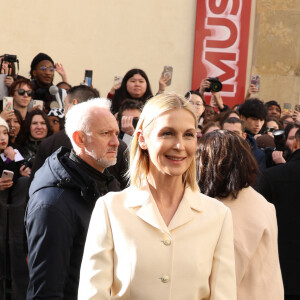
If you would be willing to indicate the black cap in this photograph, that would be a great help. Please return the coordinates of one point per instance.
(272, 102)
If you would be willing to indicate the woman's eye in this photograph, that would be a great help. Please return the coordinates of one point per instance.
(190, 134)
(166, 133)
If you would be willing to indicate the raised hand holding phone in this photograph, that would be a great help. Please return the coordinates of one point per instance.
(6, 180)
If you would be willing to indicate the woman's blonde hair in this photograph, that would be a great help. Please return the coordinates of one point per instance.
(139, 158)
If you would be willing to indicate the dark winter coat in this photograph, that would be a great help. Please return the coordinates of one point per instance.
(62, 197)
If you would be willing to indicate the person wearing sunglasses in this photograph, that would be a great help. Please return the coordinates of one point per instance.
(22, 91)
(42, 74)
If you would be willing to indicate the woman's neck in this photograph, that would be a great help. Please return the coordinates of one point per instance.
(167, 192)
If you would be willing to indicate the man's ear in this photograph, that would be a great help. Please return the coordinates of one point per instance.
(141, 140)
(244, 135)
(79, 138)
(74, 101)
(34, 73)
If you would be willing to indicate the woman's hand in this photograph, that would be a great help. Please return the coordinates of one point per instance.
(10, 153)
(163, 82)
(251, 90)
(7, 114)
(59, 68)
(5, 183)
(217, 100)
(8, 81)
(115, 87)
(25, 171)
(5, 68)
(278, 157)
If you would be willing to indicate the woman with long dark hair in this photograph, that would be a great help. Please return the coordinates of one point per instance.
(135, 85)
(227, 169)
(36, 128)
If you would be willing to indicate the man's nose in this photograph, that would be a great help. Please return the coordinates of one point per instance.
(114, 141)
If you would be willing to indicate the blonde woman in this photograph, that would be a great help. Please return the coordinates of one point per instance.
(160, 238)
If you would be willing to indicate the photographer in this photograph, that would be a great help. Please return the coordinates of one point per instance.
(213, 86)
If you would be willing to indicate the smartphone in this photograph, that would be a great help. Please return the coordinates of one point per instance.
(7, 100)
(168, 70)
(297, 107)
(39, 103)
(88, 76)
(255, 79)
(7, 174)
(117, 79)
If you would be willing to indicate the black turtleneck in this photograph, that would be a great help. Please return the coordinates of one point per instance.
(105, 181)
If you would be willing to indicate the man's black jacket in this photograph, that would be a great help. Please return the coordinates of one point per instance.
(62, 197)
(280, 185)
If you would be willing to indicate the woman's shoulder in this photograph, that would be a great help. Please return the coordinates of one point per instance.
(250, 199)
(125, 197)
(250, 206)
(204, 202)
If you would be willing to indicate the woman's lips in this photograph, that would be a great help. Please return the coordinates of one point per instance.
(175, 158)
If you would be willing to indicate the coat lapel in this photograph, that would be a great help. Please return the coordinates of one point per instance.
(190, 202)
(149, 212)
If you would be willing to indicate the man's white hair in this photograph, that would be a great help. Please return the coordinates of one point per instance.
(77, 117)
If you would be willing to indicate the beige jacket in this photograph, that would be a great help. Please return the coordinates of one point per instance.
(132, 253)
(256, 251)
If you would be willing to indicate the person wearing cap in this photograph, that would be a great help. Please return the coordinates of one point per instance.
(56, 118)
(42, 74)
(274, 109)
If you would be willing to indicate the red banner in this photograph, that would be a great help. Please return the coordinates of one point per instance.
(221, 46)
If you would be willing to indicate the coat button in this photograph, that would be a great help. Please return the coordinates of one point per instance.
(167, 241)
(165, 279)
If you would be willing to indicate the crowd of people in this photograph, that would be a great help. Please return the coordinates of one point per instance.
(196, 200)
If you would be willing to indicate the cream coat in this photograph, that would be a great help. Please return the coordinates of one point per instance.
(130, 250)
(256, 250)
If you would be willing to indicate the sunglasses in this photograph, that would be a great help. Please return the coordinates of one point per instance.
(22, 92)
(44, 68)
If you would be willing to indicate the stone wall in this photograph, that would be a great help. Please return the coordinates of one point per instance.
(276, 52)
